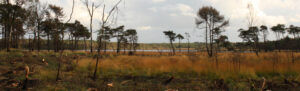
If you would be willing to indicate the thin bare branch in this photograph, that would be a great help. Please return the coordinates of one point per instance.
(71, 12)
(111, 11)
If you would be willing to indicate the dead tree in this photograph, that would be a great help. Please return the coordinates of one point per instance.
(62, 43)
(104, 24)
(91, 11)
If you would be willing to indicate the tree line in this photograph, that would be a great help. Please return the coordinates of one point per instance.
(34, 25)
(255, 38)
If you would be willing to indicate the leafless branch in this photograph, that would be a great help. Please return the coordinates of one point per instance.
(71, 12)
(110, 12)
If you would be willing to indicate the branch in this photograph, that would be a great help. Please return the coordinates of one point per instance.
(103, 21)
(86, 2)
(71, 12)
(111, 11)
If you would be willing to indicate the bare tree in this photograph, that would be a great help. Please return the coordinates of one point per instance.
(91, 10)
(104, 22)
(251, 18)
(58, 12)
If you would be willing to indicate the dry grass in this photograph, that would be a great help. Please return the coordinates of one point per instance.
(228, 65)
(146, 71)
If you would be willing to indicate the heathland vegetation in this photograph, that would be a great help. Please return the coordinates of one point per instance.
(42, 49)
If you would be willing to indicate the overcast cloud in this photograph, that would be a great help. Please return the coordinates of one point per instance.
(151, 17)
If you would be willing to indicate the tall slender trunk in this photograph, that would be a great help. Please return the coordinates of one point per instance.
(118, 46)
(69, 42)
(29, 44)
(124, 48)
(188, 46)
(173, 48)
(73, 44)
(97, 62)
(17, 41)
(58, 70)
(91, 28)
(61, 50)
(256, 48)
(48, 42)
(76, 43)
(8, 39)
(34, 40)
(38, 30)
(98, 53)
(85, 44)
(216, 56)
(179, 46)
(105, 47)
(211, 37)
(264, 35)
(206, 38)
(3, 37)
(98, 57)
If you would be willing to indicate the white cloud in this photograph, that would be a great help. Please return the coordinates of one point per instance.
(158, 1)
(185, 10)
(173, 14)
(153, 9)
(144, 28)
(179, 14)
(295, 19)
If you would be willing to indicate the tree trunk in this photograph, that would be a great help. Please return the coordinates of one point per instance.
(38, 30)
(124, 48)
(179, 46)
(58, 70)
(264, 35)
(256, 49)
(85, 44)
(61, 49)
(98, 57)
(73, 43)
(173, 48)
(216, 55)
(91, 28)
(76, 45)
(105, 47)
(8, 40)
(206, 38)
(188, 46)
(34, 40)
(211, 43)
(48, 42)
(29, 44)
(118, 46)
(3, 37)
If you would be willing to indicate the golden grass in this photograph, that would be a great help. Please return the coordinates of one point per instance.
(228, 66)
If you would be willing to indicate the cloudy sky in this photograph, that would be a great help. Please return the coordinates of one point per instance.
(152, 17)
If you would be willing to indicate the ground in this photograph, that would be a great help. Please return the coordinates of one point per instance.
(274, 71)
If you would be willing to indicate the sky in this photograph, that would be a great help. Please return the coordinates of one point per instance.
(152, 17)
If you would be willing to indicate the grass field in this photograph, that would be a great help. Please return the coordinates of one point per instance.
(150, 72)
